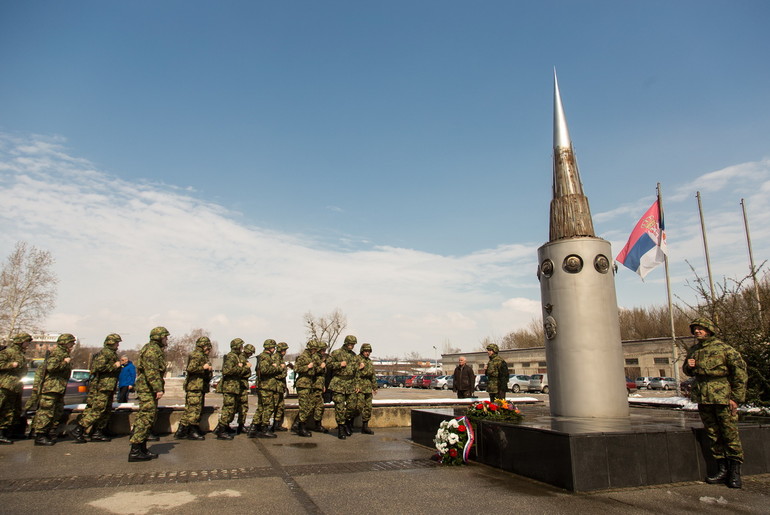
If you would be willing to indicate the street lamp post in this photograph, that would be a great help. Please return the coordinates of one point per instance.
(435, 353)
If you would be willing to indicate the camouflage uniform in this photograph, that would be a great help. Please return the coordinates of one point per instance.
(270, 366)
(196, 385)
(343, 384)
(720, 377)
(319, 386)
(243, 403)
(497, 385)
(365, 386)
(101, 390)
(230, 386)
(10, 383)
(150, 383)
(49, 388)
(305, 376)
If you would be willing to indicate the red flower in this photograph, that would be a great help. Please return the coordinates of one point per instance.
(453, 453)
(461, 428)
(493, 407)
(479, 406)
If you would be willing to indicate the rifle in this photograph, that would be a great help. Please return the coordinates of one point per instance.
(34, 399)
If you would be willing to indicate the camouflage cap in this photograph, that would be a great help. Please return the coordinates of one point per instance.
(493, 347)
(283, 346)
(269, 343)
(705, 323)
(22, 338)
(312, 344)
(249, 349)
(350, 339)
(203, 341)
(321, 345)
(65, 339)
(158, 333)
(112, 340)
(236, 344)
(366, 347)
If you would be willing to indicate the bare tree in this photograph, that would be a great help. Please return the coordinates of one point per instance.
(448, 348)
(180, 347)
(530, 336)
(27, 289)
(326, 328)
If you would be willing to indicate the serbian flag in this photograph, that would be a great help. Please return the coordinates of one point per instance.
(646, 247)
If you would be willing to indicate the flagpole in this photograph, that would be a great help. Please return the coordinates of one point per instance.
(708, 259)
(674, 350)
(751, 261)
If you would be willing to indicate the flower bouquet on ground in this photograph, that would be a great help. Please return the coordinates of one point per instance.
(453, 440)
(500, 410)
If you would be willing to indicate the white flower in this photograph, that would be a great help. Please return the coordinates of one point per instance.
(453, 439)
(453, 423)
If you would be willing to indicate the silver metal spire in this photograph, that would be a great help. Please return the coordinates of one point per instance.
(560, 131)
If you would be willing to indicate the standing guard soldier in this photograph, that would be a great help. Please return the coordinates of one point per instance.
(230, 386)
(48, 392)
(105, 370)
(497, 373)
(344, 365)
(267, 388)
(150, 385)
(720, 385)
(280, 401)
(196, 385)
(13, 366)
(319, 385)
(305, 368)
(243, 403)
(366, 387)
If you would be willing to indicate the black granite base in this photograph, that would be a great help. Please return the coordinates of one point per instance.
(650, 447)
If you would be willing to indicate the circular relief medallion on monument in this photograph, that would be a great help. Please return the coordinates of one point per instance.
(602, 264)
(573, 264)
(546, 268)
(549, 327)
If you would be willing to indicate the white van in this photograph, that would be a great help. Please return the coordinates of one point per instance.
(538, 383)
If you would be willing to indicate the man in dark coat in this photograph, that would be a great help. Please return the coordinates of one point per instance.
(464, 379)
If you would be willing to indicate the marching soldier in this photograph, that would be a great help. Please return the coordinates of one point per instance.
(150, 385)
(13, 366)
(230, 386)
(366, 387)
(105, 369)
(48, 391)
(343, 364)
(267, 372)
(319, 385)
(305, 368)
(278, 415)
(720, 385)
(196, 385)
(243, 405)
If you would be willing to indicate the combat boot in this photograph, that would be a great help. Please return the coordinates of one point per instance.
(278, 425)
(222, 433)
(266, 432)
(319, 427)
(301, 431)
(78, 433)
(720, 475)
(253, 431)
(341, 434)
(181, 432)
(137, 454)
(734, 474)
(348, 426)
(149, 453)
(43, 439)
(4, 440)
(365, 428)
(295, 424)
(193, 433)
(99, 436)
(240, 429)
(230, 430)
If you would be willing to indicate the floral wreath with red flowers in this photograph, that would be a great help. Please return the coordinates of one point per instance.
(500, 409)
(453, 441)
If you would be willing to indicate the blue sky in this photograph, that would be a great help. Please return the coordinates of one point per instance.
(392, 159)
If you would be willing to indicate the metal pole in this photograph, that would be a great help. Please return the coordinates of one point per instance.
(751, 262)
(674, 350)
(706, 249)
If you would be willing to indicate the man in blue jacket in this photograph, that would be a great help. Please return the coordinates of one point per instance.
(126, 379)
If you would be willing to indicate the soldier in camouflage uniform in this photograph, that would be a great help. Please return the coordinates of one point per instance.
(105, 369)
(196, 385)
(305, 368)
(497, 373)
(268, 370)
(319, 386)
(365, 388)
(280, 402)
(243, 403)
(231, 387)
(48, 390)
(719, 386)
(150, 385)
(343, 363)
(13, 366)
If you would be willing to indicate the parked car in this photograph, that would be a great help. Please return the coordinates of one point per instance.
(439, 383)
(425, 381)
(630, 384)
(398, 381)
(410, 381)
(518, 382)
(643, 382)
(685, 387)
(450, 382)
(662, 383)
(538, 383)
(481, 383)
(80, 374)
(383, 382)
